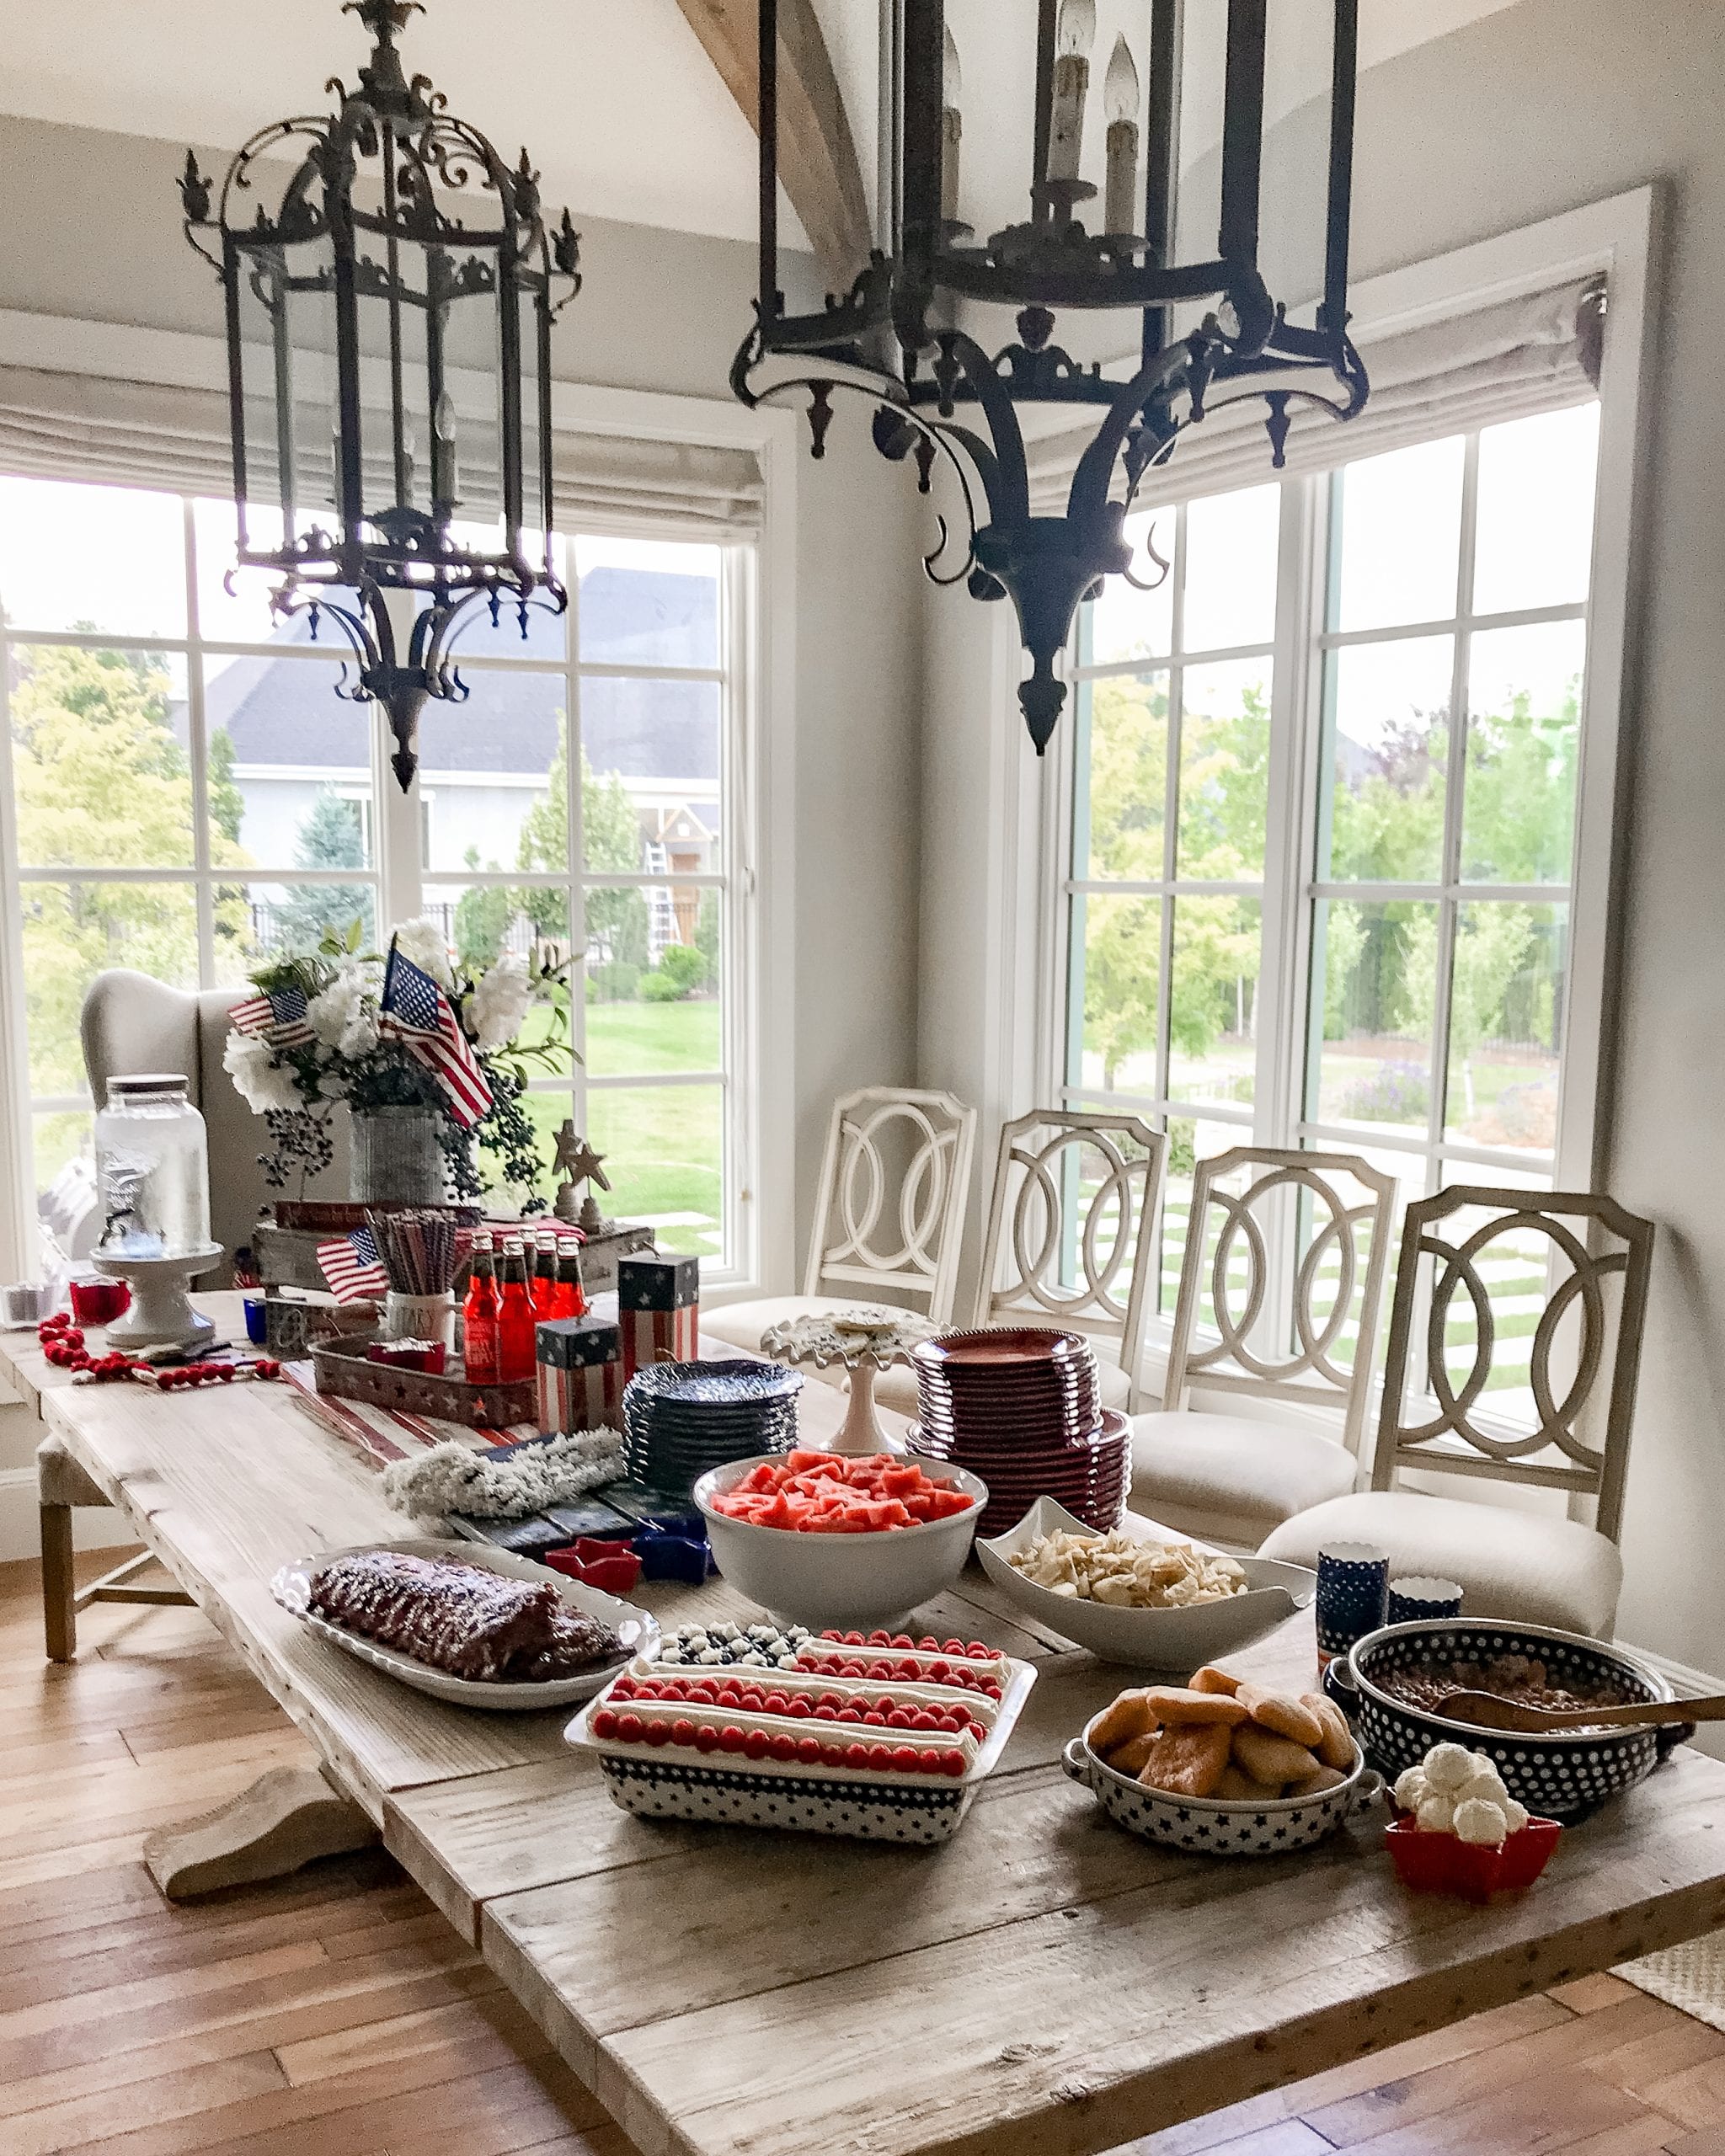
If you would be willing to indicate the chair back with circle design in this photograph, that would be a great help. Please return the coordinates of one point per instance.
(1070, 1237)
(1575, 1254)
(894, 1185)
(1296, 1276)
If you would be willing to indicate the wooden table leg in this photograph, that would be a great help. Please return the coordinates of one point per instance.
(286, 1818)
(59, 1612)
(61, 1484)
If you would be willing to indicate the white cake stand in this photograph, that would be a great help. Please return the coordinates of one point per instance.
(815, 1340)
(160, 1313)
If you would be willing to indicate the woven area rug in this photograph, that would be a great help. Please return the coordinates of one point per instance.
(1691, 1976)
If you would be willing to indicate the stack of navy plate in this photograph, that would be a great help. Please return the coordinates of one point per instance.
(682, 1418)
(1019, 1406)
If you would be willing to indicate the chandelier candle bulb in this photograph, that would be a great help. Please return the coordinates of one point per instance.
(1071, 87)
(1119, 92)
(952, 129)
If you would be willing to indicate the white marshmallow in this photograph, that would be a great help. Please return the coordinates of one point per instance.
(1476, 1821)
(1448, 1767)
(1412, 1788)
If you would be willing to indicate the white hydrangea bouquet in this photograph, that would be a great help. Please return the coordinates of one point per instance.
(318, 1035)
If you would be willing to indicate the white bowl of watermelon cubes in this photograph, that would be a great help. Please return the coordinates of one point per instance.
(826, 1540)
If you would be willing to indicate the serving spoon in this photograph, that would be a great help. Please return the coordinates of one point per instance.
(1487, 1710)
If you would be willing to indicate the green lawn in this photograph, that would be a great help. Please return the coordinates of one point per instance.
(663, 1143)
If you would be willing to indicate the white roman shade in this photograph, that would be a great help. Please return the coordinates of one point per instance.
(175, 439)
(1527, 354)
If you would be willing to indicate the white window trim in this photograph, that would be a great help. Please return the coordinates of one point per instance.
(760, 611)
(1618, 236)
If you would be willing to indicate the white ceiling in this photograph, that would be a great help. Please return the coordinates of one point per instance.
(623, 111)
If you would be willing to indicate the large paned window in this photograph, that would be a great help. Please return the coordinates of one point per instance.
(1319, 867)
(187, 793)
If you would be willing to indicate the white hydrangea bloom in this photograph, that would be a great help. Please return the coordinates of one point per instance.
(422, 942)
(343, 1016)
(499, 1002)
(259, 1082)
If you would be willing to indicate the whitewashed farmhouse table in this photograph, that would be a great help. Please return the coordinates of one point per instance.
(1043, 1985)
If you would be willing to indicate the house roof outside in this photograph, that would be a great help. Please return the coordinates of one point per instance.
(283, 711)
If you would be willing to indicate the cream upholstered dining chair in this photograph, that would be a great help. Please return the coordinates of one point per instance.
(132, 1022)
(888, 1219)
(1583, 1255)
(1291, 1247)
(1069, 1241)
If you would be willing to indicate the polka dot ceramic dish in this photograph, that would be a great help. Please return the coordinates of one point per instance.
(1209, 1828)
(1565, 1778)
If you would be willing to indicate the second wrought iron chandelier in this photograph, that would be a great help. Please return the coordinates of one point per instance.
(900, 335)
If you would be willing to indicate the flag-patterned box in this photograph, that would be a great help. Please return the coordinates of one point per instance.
(580, 1375)
(657, 1301)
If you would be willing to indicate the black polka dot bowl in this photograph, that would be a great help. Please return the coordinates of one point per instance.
(859, 1804)
(1210, 1828)
(1567, 1778)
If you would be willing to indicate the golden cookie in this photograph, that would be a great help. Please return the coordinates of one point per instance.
(1336, 1746)
(1129, 1716)
(1283, 1716)
(1132, 1756)
(1188, 1761)
(1174, 1704)
(1236, 1787)
(1210, 1680)
(1268, 1757)
(1316, 1782)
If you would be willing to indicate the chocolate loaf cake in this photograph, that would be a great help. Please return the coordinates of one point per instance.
(462, 1619)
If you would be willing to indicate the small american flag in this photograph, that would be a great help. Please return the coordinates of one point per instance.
(351, 1266)
(277, 1017)
(414, 1010)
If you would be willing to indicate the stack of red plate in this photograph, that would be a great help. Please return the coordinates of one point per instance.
(1019, 1407)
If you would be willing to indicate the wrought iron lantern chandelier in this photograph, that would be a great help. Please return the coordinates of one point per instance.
(389, 306)
(902, 336)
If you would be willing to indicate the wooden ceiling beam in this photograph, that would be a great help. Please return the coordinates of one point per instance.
(817, 153)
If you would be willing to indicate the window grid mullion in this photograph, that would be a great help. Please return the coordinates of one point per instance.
(197, 751)
(1455, 791)
(575, 754)
(1171, 815)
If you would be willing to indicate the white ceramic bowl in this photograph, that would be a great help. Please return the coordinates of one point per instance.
(1206, 1825)
(1176, 1639)
(853, 1582)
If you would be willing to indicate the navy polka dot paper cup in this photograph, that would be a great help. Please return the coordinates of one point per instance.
(1352, 1588)
(1416, 1601)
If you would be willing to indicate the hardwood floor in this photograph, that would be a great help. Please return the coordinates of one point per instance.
(336, 2013)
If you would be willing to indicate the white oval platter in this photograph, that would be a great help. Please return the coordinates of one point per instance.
(636, 1628)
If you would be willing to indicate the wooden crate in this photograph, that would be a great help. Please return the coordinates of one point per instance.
(342, 1370)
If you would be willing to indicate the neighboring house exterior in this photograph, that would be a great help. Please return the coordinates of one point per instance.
(483, 763)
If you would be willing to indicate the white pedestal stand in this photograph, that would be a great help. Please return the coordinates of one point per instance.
(813, 1340)
(160, 1314)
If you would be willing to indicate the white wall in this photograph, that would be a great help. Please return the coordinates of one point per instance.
(90, 226)
(1537, 109)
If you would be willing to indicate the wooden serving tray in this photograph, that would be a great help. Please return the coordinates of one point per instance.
(342, 1370)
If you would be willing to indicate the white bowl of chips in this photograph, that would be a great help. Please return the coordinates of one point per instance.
(1189, 1604)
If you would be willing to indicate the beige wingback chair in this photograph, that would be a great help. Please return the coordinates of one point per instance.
(132, 1022)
